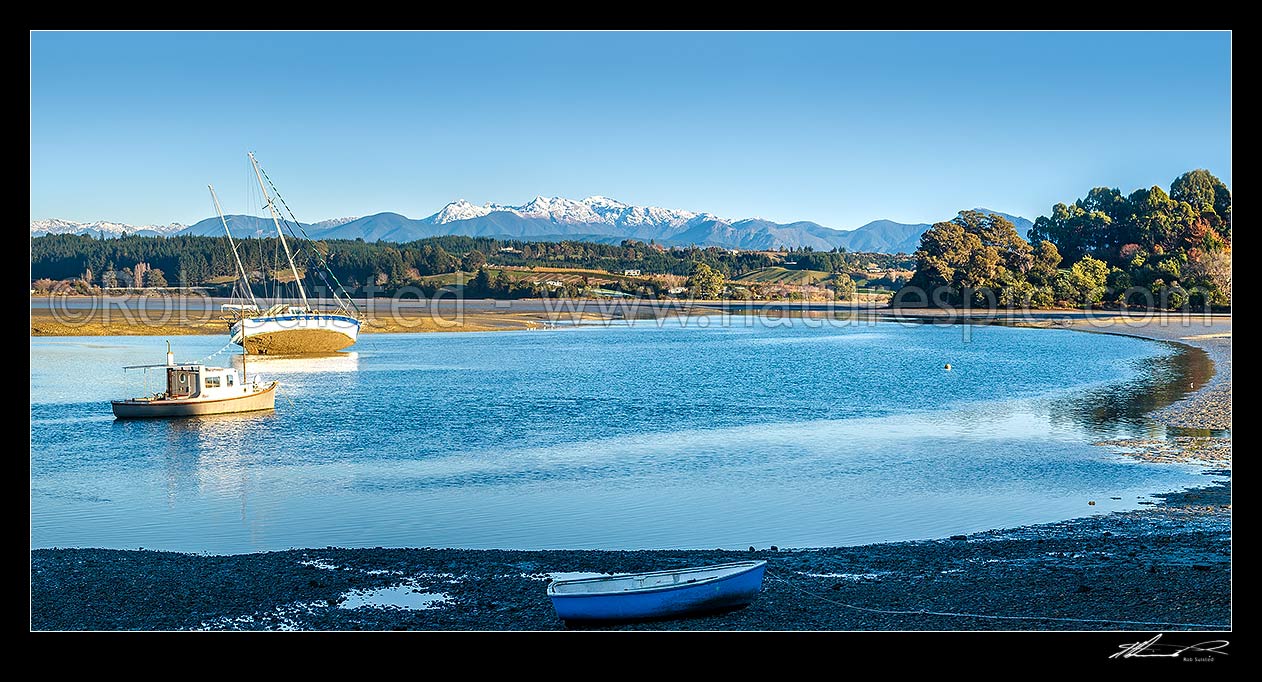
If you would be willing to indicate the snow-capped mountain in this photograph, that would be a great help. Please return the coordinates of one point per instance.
(332, 223)
(592, 210)
(594, 219)
(58, 226)
(459, 210)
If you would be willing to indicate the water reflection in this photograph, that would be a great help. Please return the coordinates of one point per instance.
(299, 364)
(208, 454)
(1122, 407)
(629, 437)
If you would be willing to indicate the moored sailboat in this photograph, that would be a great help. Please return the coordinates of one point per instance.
(284, 328)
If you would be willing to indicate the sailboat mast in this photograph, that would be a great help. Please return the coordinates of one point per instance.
(276, 220)
(245, 279)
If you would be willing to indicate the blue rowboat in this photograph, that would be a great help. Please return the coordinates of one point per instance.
(660, 594)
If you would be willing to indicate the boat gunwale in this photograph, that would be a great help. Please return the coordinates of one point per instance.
(747, 565)
(193, 401)
(298, 316)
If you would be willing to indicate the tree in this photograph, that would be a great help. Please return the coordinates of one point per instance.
(997, 232)
(1119, 281)
(481, 284)
(976, 254)
(473, 260)
(1041, 276)
(844, 287)
(193, 269)
(1206, 194)
(390, 264)
(109, 277)
(126, 278)
(1149, 237)
(1151, 219)
(433, 260)
(706, 283)
(503, 285)
(1046, 259)
(1217, 265)
(946, 253)
(1087, 280)
(1210, 271)
(156, 278)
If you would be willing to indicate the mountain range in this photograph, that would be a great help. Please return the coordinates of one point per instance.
(102, 227)
(595, 219)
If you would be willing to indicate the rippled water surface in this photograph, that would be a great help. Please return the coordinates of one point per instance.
(675, 435)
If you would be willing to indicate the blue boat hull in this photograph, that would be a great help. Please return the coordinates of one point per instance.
(727, 592)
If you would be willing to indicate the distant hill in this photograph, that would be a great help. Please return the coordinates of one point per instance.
(242, 226)
(885, 236)
(596, 219)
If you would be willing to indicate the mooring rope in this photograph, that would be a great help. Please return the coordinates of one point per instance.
(203, 360)
(319, 256)
(924, 612)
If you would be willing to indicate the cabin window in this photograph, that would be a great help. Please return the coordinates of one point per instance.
(229, 379)
(212, 382)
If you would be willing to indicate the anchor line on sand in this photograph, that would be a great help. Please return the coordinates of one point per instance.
(924, 612)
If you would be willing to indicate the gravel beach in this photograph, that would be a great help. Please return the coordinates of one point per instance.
(1170, 564)
(1166, 566)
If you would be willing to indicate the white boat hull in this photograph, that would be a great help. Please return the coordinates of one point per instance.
(659, 594)
(247, 401)
(295, 334)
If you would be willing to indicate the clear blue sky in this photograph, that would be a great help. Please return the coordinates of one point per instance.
(839, 128)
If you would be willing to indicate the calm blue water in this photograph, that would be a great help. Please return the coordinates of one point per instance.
(641, 436)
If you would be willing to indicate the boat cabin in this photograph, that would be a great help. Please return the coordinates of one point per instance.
(200, 381)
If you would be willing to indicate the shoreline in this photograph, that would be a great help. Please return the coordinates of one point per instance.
(106, 319)
(1208, 407)
(1138, 566)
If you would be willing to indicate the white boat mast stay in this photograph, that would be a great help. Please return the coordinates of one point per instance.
(245, 279)
(276, 220)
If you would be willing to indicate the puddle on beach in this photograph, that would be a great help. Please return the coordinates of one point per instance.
(399, 596)
(563, 575)
(325, 566)
(854, 577)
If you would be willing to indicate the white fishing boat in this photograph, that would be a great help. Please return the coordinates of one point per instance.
(194, 389)
(284, 328)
